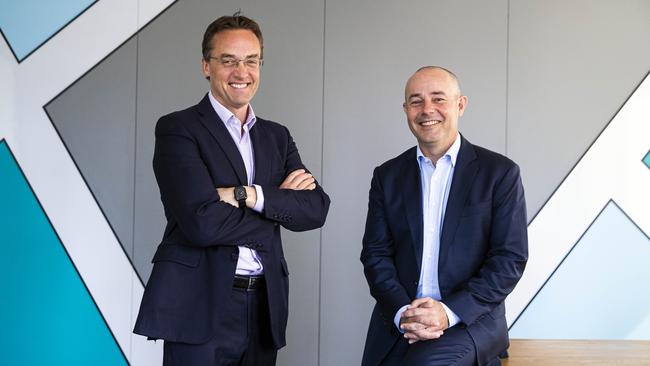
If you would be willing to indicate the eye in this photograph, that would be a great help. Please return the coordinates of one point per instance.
(228, 61)
(415, 103)
(439, 100)
(252, 62)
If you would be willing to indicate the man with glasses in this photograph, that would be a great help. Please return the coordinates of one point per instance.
(445, 239)
(228, 180)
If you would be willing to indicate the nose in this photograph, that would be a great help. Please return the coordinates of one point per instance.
(429, 107)
(240, 68)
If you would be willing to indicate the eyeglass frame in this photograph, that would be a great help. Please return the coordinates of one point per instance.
(220, 59)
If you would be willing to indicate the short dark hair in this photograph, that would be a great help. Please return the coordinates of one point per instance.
(236, 21)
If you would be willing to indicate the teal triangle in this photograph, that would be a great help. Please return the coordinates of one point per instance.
(48, 317)
(646, 159)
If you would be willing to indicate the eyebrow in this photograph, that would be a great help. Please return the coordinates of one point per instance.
(418, 95)
(246, 57)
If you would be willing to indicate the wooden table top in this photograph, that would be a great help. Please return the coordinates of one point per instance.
(531, 352)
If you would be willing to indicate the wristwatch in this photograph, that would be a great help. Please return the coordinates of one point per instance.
(240, 196)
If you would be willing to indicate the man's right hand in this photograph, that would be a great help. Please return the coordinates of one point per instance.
(299, 180)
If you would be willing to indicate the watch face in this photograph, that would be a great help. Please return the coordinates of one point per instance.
(240, 193)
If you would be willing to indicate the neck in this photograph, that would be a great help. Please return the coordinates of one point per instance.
(435, 151)
(241, 114)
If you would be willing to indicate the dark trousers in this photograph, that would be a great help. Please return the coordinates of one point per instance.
(243, 337)
(455, 347)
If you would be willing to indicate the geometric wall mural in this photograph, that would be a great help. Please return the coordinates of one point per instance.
(589, 246)
(70, 294)
(27, 24)
(96, 121)
(44, 300)
(588, 296)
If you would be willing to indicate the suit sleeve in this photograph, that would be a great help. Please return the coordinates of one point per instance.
(506, 257)
(293, 209)
(377, 256)
(190, 198)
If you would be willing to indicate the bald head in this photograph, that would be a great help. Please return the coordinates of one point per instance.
(434, 73)
(433, 104)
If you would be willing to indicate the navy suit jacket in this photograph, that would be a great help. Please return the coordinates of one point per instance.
(194, 265)
(483, 247)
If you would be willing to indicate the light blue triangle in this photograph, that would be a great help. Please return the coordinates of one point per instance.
(26, 24)
(600, 291)
(46, 313)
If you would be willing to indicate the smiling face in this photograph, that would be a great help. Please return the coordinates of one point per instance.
(233, 87)
(433, 105)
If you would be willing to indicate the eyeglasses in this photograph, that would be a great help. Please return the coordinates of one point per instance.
(233, 62)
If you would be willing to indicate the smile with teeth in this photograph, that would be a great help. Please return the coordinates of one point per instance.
(239, 85)
(429, 123)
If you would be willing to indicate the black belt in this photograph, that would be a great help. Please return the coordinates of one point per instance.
(248, 282)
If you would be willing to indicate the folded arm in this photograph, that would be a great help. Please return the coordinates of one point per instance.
(190, 198)
(299, 203)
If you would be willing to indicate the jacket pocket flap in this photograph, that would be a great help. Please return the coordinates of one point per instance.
(178, 254)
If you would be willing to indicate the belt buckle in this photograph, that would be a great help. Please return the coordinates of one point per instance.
(251, 283)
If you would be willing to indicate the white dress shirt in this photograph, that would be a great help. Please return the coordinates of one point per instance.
(436, 182)
(249, 262)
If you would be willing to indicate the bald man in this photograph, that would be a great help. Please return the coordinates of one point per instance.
(445, 239)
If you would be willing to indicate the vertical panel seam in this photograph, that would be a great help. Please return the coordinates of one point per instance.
(507, 74)
(322, 174)
(135, 163)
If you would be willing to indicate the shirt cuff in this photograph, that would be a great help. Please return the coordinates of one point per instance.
(398, 316)
(453, 318)
(259, 204)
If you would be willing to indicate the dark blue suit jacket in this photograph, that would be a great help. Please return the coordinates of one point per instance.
(194, 265)
(483, 248)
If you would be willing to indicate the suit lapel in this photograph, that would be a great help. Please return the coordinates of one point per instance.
(464, 175)
(262, 152)
(412, 197)
(218, 130)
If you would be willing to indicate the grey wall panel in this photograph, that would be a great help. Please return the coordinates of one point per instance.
(290, 93)
(370, 51)
(572, 65)
(96, 119)
(169, 78)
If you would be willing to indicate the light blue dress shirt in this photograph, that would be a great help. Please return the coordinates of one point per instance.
(249, 262)
(436, 182)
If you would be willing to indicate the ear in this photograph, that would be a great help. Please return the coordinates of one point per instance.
(462, 104)
(206, 68)
(404, 107)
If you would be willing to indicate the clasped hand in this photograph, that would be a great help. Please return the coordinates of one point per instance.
(297, 180)
(424, 319)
